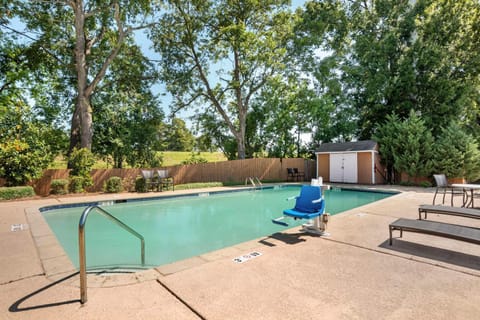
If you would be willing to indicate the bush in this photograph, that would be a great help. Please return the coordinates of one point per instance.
(425, 184)
(113, 185)
(16, 192)
(81, 162)
(456, 154)
(140, 185)
(77, 184)
(59, 186)
(194, 159)
(197, 185)
(24, 150)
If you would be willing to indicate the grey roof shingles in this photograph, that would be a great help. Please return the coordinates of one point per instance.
(364, 145)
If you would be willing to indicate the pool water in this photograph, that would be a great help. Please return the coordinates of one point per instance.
(177, 228)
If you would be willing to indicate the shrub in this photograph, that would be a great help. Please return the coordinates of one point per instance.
(24, 150)
(196, 185)
(456, 154)
(81, 161)
(16, 192)
(407, 183)
(128, 184)
(194, 159)
(425, 184)
(113, 185)
(140, 185)
(77, 184)
(59, 186)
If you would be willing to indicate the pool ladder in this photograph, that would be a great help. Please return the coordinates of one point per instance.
(81, 245)
(253, 180)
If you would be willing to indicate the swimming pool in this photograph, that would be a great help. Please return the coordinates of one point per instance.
(180, 227)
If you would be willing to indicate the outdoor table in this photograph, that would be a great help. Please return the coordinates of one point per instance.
(468, 189)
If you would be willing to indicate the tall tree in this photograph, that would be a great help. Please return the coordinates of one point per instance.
(390, 56)
(127, 115)
(221, 53)
(83, 37)
(177, 137)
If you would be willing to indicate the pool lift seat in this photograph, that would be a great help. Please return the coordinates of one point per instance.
(309, 205)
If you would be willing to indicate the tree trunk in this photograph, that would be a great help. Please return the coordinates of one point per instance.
(86, 123)
(241, 107)
(75, 136)
(81, 131)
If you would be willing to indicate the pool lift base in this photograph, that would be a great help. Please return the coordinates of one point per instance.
(317, 225)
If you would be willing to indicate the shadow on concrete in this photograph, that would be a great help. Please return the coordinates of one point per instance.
(288, 238)
(15, 307)
(439, 254)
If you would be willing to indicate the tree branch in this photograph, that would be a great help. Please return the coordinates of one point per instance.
(103, 70)
(34, 40)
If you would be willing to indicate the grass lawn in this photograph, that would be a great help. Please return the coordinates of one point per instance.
(170, 158)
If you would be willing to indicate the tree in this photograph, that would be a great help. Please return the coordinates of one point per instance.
(127, 115)
(283, 111)
(238, 41)
(387, 137)
(82, 38)
(391, 56)
(456, 154)
(414, 157)
(177, 137)
(24, 153)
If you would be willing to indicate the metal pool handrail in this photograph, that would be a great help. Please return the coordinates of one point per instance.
(81, 245)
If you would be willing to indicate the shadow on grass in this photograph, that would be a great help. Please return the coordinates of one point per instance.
(434, 253)
(15, 307)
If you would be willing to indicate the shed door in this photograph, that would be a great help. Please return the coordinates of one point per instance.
(343, 167)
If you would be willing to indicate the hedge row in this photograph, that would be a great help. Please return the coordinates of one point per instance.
(7, 193)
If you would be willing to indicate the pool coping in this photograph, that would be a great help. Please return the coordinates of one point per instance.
(57, 265)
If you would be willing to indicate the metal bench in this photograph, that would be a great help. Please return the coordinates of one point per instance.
(434, 228)
(452, 211)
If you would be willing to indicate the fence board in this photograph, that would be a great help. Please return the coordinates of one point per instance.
(270, 169)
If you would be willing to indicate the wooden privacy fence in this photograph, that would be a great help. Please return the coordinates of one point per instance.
(273, 169)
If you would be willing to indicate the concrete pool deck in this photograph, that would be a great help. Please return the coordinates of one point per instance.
(352, 274)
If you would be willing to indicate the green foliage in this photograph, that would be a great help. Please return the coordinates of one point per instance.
(60, 58)
(177, 137)
(113, 185)
(156, 160)
(197, 185)
(59, 186)
(247, 40)
(24, 153)
(81, 161)
(78, 184)
(194, 159)
(425, 184)
(140, 185)
(456, 154)
(407, 183)
(16, 192)
(383, 57)
(414, 147)
(406, 146)
(127, 119)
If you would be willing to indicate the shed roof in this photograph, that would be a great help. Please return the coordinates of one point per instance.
(364, 145)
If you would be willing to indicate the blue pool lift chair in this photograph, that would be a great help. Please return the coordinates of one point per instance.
(309, 205)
